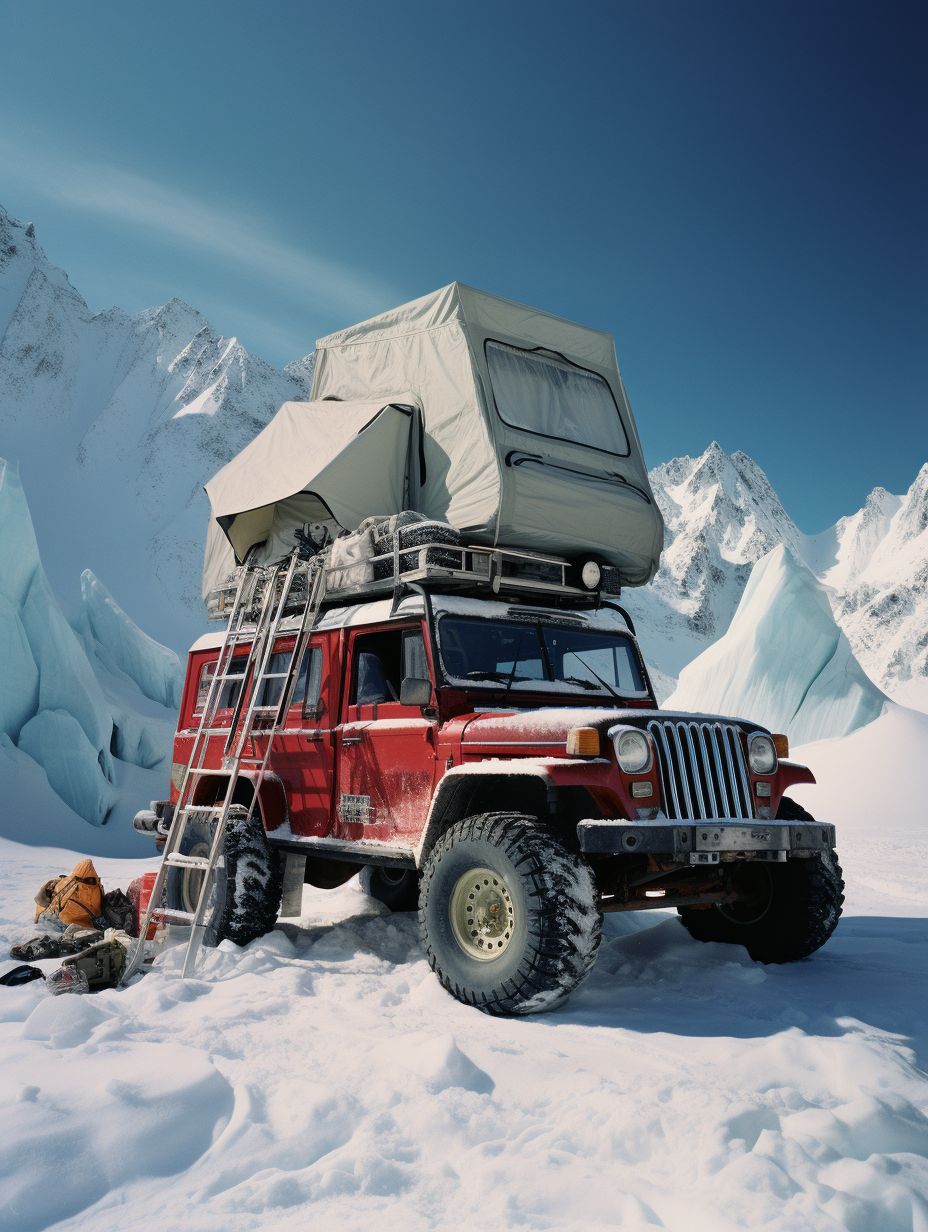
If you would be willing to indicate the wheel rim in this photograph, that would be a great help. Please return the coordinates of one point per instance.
(482, 912)
(393, 876)
(192, 879)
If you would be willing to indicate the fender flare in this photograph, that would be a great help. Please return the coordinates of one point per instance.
(442, 811)
(272, 798)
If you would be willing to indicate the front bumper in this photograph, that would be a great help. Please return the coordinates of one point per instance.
(706, 842)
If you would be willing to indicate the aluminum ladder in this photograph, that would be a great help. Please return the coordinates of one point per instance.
(249, 722)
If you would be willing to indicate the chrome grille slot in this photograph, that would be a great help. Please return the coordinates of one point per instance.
(702, 768)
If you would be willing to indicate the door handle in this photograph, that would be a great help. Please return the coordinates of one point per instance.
(346, 740)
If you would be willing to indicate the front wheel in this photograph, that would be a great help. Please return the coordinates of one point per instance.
(784, 912)
(509, 918)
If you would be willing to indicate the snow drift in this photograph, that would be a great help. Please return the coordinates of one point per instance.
(783, 662)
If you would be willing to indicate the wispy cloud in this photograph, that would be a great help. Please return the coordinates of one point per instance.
(179, 217)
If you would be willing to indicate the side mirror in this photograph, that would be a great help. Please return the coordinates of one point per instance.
(415, 692)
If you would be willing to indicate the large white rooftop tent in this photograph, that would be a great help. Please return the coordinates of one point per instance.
(508, 423)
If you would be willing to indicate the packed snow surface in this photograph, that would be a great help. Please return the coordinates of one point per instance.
(783, 662)
(321, 1077)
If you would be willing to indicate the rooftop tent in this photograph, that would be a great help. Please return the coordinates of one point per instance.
(528, 439)
(314, 462)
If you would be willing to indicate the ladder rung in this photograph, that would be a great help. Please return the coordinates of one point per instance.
(274, 676)
(199, 808)
(172, 915)
(177, 860)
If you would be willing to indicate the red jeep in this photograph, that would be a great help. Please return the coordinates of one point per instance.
(494, 756)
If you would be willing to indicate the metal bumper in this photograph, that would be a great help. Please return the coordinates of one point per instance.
(706, 842)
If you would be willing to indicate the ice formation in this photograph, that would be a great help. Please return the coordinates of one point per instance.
(783, 662)
(75, 705)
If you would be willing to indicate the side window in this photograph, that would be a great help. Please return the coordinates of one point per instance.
(272, 686)
(228, 694)
(415, 664)
(377, 671)
(207, 672)
(309, 683)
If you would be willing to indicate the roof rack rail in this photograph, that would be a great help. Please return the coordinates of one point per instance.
(478, 571)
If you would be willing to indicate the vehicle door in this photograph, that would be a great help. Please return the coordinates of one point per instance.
(304, 750)
(386, 741)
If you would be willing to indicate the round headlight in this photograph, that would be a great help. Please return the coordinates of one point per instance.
(761, 754)
(633, 752)
(590, 575)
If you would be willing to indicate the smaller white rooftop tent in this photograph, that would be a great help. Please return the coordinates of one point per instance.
(520, 435)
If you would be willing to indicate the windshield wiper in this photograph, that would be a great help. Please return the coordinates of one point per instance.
(593, 672)
(586, 684)
(501, 677)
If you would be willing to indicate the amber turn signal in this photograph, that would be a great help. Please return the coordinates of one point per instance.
(583, 742)
(781, 744)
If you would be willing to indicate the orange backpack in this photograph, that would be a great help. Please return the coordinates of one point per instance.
(75, 899)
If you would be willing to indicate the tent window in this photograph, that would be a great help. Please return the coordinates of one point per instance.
(554, 398)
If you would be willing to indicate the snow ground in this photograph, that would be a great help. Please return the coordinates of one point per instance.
(323, 1078)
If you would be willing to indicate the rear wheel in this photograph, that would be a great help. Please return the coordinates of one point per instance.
(784, 912)
(509, 918)
(396, 888)
(248, 883)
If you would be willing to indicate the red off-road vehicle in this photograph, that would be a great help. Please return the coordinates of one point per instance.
(484, 745)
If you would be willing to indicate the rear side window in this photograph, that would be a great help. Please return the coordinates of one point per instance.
(554, 398)
(229, 690)
(309, 683)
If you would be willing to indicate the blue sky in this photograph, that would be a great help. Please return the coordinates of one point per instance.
(737, 191)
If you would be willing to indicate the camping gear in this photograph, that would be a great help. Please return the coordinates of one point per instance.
(73, 899)
(22, 974)
(99, 966)
(511, 425)
(118, 911)
(48, 945)
(139, 893)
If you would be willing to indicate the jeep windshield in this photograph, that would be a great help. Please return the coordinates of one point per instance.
(538, 656)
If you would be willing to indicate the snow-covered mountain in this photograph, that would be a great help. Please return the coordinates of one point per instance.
(116, 421)
(722, 516)
(783, 661)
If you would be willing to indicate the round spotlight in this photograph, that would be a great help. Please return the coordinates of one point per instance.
(591, 574)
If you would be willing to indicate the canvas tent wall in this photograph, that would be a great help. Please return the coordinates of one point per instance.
(528, 439)
(520, 436)
(334, 462)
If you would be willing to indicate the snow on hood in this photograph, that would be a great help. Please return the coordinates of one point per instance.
(783, 662)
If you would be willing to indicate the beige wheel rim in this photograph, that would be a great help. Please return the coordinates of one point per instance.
(192, 879)
(482, 914)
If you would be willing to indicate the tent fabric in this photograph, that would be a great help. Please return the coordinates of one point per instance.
(315, 461)
(505, 464)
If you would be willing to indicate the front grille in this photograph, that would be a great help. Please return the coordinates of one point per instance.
(703, 773)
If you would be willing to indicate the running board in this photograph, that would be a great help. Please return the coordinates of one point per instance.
(384, 855)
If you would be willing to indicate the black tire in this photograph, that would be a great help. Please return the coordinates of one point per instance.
(790, 909)
(543, 908)
(249, 882)
(396, 888)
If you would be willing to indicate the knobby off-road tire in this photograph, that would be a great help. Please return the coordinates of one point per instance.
(396, 888)
(248, 885)
(792, 908)
(509, 918)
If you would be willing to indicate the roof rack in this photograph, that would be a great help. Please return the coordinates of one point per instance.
(478, 571)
